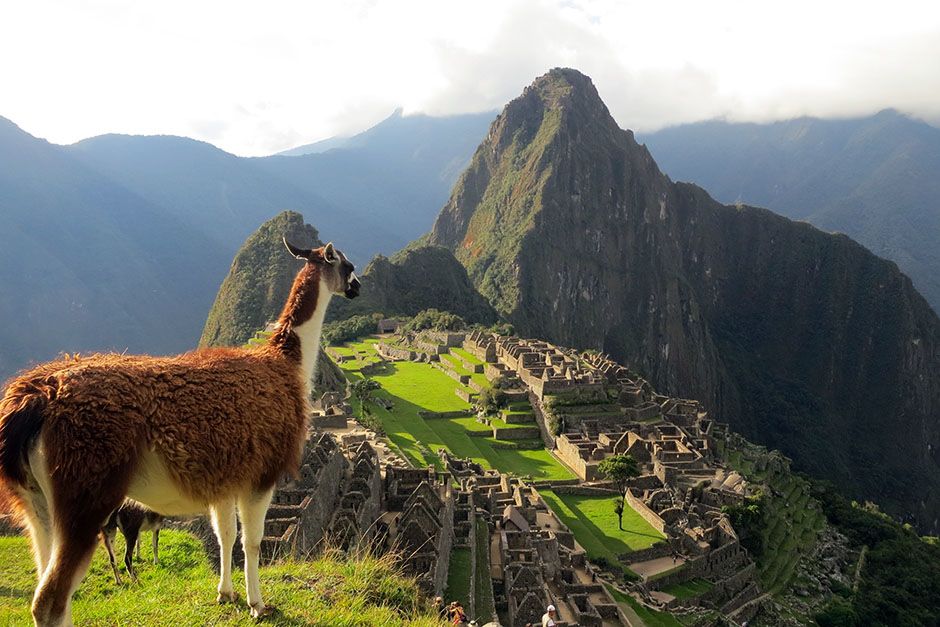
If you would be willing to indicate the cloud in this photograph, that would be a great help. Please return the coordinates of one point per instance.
(254, 79)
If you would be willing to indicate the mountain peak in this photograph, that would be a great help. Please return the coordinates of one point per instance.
(564, 78)
(565, 90)
(558, 119)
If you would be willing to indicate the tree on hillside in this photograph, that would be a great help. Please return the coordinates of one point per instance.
(491, 400)
(363, 390)
(620, 469)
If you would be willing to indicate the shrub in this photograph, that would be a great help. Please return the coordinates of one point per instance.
(748, 521)
(491, 400)
(435, 320)
(349, 329)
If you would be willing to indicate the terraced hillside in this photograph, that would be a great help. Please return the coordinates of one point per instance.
(791, 523)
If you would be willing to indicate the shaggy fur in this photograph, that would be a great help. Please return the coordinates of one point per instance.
(200, 431)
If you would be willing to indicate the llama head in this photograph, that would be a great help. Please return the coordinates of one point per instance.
(335, 269)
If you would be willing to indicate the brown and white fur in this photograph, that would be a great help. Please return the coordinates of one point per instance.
(131, 518)
(210, 430)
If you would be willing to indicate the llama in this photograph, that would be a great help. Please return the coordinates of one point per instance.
(131, 518)
(207, 431)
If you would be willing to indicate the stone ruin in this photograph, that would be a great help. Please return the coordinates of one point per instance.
(349, 497)
(331, 411)
(418, 523)
(533, 557)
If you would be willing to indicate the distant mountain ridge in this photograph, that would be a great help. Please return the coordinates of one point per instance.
(875, 178)
(119, 242)
(802, 340)
(88, 264)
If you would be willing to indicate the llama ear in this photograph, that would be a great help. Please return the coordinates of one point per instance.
(329, 254)
(300, 253)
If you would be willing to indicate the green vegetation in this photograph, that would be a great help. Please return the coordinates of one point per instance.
(780, 526)
(458, 577)
(411, 387)
(651, 618)
(258, 282)
(619, 469)
(414, 280)
(689, 589)
(329, 590)
(900, 579)
(491, 400)
(590, 519)
(747, 518)
(484, 607)
(457, 366)
(435, 320)
(350, 329)
(466, 355)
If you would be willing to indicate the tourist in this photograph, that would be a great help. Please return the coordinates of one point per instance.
(440, 608)
(548, 618)
(459, 617)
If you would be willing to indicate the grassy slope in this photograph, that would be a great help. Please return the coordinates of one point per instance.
(689, 589)
(413, 387)
(182, 590)
(458, 577)
(594, 524)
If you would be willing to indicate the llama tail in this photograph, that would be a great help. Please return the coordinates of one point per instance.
(22, 414)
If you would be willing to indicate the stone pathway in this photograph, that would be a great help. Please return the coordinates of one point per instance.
(651, 568)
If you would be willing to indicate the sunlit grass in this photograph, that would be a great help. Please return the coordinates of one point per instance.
(181, 590)
(594, 524)
(412, 387)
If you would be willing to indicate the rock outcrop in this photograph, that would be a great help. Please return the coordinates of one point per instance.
(802, 340)
(417, 278)
(257, 286)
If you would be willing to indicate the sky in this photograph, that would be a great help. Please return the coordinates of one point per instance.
(257, 77)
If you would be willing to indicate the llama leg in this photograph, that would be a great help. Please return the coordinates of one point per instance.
(224, 524)
(130, 536)
(253, 507)
(138, 547)
(36, 501)
(108, 535)
(156, 545)
(71, 555)
(35, 509)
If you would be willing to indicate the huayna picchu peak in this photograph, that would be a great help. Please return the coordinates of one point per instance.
(802, 340)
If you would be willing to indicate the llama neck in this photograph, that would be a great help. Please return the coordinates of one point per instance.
(308, 333)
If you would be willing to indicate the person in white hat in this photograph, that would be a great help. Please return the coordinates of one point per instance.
(548, 618)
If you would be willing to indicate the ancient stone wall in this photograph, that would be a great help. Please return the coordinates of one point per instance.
(648, 515)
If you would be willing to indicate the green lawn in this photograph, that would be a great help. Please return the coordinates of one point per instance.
(689, 589)
(651, 618)
(181, 590)
(594, 524)
(470, 358)
(484, 608)
(458, 577)
(455, 365)
(412, 387)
